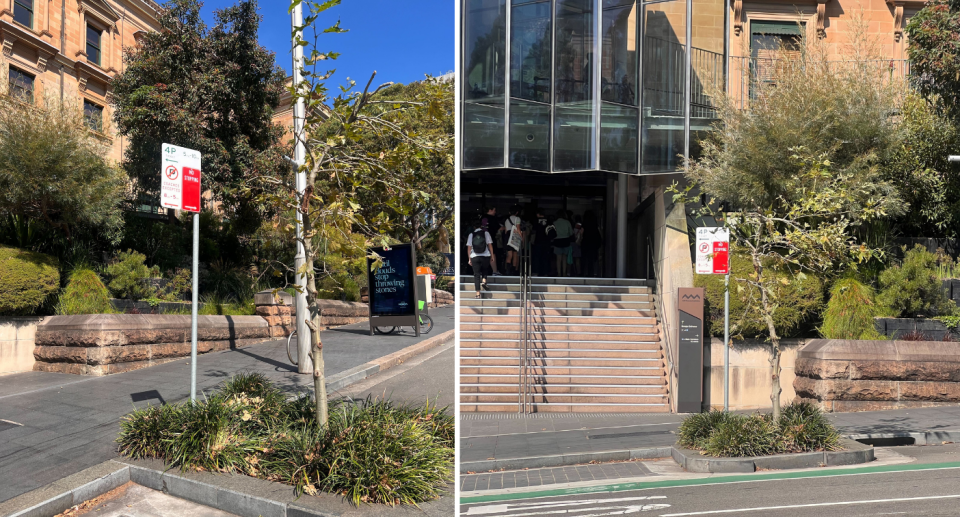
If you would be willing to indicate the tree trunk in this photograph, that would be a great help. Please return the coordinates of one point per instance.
(765, 307)
(319, 379)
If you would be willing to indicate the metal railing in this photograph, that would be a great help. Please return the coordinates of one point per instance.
(525, 294)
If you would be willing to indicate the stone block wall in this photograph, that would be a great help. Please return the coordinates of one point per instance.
(850, 375)
(16, 344)
(102, 344)
(750, 374)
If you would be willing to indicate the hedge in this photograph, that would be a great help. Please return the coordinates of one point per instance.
(27, 280)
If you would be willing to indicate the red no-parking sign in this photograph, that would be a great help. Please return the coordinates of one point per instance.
(180, 178)
(713, 251)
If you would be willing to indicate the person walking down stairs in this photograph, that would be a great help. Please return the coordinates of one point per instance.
(479, 249)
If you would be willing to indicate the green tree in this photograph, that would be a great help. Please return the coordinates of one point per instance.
(53, 170)
(935, 55)
(807, 230)
(211, 90)
(341, 170)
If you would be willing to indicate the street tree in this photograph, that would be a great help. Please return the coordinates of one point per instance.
(341, 170)
(935, 54)
(798, 174)
(213, 90)
(53, 166)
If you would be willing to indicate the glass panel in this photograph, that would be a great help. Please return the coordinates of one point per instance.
(21, 85)
(530, 42)
(482, 138)
(573, 137)
(573, 82)
(23, 12)
(93, 45)
(618, 72)
(529, 136)
(574, 74)
(484, 40)
(93, 115)
(707, 68)
(663, 86)
(618, 138)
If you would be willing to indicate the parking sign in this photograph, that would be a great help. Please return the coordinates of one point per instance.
(713, 251)
(180, 178)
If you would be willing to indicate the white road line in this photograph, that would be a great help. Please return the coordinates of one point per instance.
(503, 508)
(814, 505)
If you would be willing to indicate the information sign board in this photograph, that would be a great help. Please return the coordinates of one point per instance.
(690, 349)
(392, 287)
(713, 251)
(180, 178)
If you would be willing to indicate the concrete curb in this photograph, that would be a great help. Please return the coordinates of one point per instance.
(855, 453)
(689, 460)
(358, 373)
(920, 438)
(240, 495)
(559, 460)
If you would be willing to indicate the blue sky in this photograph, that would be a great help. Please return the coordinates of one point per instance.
(400, 39)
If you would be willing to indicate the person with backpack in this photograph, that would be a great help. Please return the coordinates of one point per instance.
(489, 221)
(479, 249)
(562, 243)
(513, 229)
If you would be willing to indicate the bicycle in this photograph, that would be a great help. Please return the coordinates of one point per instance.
(426, 324)
(293, 356)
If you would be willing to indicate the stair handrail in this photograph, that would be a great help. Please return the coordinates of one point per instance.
(525, 258)
(658, 296)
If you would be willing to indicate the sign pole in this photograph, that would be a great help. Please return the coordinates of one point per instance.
(193, 308)
(726, 341)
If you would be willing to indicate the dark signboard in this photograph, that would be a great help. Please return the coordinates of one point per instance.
(690, 350)
(392, 288)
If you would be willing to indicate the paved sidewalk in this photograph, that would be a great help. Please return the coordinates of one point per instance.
(502, 436)
(66, 423)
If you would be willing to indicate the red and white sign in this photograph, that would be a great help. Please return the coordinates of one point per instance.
(713, 251)
(180, 178)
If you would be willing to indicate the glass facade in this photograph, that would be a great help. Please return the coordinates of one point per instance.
(583, 85)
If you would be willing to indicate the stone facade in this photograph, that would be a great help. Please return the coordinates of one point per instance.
(102, 344)
(52, 49)
(848, 375)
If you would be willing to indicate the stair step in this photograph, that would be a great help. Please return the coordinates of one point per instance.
(565, 371)
(576, 408)
(561, 345)
(551, 288)
(551, 327)
(537, 335)
(557, 311)
(514, 319)
(611, 380)
(557, 304)
(541, 280)
(583, 353)
(579, 362)
(611, 389)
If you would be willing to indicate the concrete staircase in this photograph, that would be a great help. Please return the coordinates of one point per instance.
(594, 346)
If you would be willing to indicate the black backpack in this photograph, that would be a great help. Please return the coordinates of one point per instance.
(479, 242)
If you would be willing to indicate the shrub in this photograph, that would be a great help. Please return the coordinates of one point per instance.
(801, 427)
(129, 276)
(850, 312)
(804, 427)
(800, 301)
(340, 287)
(913, 288)
(84, 294)
(371, 451)
(744, 435)
(27, 280)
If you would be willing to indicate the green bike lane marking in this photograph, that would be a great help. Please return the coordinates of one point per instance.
(642, 485)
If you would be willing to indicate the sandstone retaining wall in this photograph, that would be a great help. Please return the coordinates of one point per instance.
(850, 375)
(102, 344)
(750, 374)
(16, 343)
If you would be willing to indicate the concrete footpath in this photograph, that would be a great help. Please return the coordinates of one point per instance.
(510, 441)
(54, 425)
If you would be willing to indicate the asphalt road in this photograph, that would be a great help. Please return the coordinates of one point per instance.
(931, 491)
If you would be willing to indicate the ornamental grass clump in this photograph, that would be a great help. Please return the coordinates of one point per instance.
(370, 451)
(801, 427)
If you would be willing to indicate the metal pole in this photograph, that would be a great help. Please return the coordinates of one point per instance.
(304, 360)
(193, 308)
(953, 158)
(622, 225)
(726, 341)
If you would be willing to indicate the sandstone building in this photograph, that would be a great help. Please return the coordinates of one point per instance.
(72, 49)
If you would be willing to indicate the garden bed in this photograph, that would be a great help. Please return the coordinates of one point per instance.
(372, 451)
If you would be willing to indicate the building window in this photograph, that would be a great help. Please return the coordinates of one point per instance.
(93, 44)
(23, 12)
(21, 85)
(94, 115)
